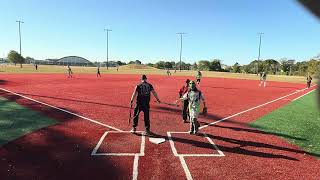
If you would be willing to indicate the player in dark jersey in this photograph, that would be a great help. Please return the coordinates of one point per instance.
(182, 91)
(168, 72)
(309, 79)
(69, 72)
(98, 71)
(142, 94)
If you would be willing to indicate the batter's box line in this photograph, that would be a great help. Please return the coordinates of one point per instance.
(181, 156)
(142, 146)
(175, 152)
(136, 155)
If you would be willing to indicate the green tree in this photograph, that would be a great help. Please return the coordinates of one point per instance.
(236, 68)
(215, 65)
(29, 60)
(15, 58)
(204, 65)
(168, 65)
(313, 66)
(150, 64)
(286, 65)
(183, 65)
(194, 66)
(121, 63)
(160, 65)
(271, 66)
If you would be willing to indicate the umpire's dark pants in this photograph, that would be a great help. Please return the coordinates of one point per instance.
(185, 111)
(137, 111)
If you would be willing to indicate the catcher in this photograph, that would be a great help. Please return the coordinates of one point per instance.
(194, 96)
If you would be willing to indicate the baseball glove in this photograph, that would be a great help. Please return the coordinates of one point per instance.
(204, 111)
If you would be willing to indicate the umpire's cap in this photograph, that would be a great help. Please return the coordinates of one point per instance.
(143, 77)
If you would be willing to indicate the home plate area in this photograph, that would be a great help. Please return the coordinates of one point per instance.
(115, 143)
(182, 144)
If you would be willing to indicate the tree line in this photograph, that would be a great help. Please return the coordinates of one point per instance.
(270, 66)
(282, 66)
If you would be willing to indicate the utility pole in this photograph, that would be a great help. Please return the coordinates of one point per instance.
(181, 33)
(259, 51)
(20, 33)
(107, 30)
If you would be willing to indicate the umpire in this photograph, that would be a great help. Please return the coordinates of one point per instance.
(182, 91)
(142, 94)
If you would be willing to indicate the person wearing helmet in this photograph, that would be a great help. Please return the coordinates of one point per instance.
(142, 94)
(185, 103)
(194, 97)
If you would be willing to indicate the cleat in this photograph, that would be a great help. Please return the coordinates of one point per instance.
(147, 133)
(133, 130)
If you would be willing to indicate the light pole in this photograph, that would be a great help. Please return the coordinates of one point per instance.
(260, 34)
(107, 30)
(181, 33)
(20, 33)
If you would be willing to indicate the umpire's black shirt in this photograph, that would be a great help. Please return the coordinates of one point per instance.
(144, 90)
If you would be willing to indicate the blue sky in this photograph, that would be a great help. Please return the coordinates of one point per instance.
(146, 29)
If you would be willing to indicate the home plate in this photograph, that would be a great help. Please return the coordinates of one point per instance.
(157, 140)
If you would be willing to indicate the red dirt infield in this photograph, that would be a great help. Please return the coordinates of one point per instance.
(65, 150)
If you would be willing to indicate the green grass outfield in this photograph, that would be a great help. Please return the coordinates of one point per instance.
(298, 122)
(16, 121)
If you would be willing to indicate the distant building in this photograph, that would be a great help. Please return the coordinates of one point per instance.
(2, 60)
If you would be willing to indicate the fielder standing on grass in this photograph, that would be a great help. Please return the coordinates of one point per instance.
(142, 94)
(194, 96)
(185, 103)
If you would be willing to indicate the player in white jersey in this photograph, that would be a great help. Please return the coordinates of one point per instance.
(194, 96)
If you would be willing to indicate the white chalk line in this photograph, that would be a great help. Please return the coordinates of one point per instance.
(136, 156)
(181, 156)
(250, 109)
(304, 94)
(66, 111)
(185, 168)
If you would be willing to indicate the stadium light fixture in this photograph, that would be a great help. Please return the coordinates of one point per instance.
(20, 33)
(180, 33)
(107, 30)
